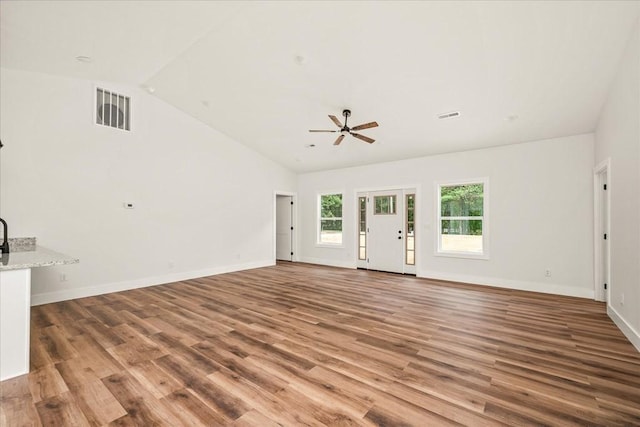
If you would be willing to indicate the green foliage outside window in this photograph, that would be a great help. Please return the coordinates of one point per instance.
(462, 201)
(331, 207)
(385, 205)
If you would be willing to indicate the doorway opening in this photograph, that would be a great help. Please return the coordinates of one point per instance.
(386, 239)
(602, 235)
(284, 215)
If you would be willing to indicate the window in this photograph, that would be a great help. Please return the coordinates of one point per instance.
(385, 205)
(462, 219)
(330, 219)
(362, 230)
(410, 241)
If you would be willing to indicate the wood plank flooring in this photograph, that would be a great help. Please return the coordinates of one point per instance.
(298, 344)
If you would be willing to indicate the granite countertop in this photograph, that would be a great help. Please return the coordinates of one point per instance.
(39, 257)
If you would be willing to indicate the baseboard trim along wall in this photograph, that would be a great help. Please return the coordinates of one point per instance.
(68, 294)
(545, 288)
(328, 262)
(628, 331)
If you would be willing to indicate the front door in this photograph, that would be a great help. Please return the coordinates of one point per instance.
(385, 221)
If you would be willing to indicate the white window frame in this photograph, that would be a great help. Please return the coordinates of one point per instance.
(485, 220)
(319, 220)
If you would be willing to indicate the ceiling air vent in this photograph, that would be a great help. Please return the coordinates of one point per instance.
(113, 110)
(449, 115)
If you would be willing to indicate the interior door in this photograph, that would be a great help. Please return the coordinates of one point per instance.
(284, 228)
(385, 242)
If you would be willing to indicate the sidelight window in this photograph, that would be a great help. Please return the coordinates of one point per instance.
(362, 228)
(410, 241)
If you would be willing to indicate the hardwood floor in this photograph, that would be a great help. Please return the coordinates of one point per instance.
(298, 344)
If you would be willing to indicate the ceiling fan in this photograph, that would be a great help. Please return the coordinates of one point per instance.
(346, 130)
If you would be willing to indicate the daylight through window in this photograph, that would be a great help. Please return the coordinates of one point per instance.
(330, 219)
(362, 228)
(462, 222)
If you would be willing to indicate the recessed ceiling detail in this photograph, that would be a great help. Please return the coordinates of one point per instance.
(84, 59)
(449, 115)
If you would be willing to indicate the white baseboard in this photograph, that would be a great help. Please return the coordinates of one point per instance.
(625, 327)
(329, 262)
(68, 294)
(546, 288)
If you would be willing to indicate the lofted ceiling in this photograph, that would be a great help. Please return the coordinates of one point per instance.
(264, 73)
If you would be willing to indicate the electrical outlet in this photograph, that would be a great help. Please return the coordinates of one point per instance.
(170, 265)
(547, 273)
(622, 299)
(63, 277)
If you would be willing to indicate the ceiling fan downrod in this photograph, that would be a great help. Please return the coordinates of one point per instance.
(346, 114)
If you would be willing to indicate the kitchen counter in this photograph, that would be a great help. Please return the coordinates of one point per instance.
(15, 301)
(40, 257)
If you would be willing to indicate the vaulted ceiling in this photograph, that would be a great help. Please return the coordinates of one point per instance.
(264, 73)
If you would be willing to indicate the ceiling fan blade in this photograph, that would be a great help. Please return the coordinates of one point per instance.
(314, 130)
(339, 140)
(365, 126)
(362, 137)
(335, 120)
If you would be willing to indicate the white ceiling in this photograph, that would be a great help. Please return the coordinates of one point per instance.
(266, 72)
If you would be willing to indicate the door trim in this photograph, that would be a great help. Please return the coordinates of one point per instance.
(294, 222)
(599, 256)
(415, 189)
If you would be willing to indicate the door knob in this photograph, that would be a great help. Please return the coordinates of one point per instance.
(399, 237)
(400, 231)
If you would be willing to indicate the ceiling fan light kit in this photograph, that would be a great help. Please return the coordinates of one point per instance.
(345, 130)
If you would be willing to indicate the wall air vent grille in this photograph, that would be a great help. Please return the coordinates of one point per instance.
(113, 110)
(449, 115)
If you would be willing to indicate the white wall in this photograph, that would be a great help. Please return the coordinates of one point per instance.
(204, 203)
(618, 138)
(540, 206)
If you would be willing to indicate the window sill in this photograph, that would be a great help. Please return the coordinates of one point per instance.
(466, 255)
(330, 245)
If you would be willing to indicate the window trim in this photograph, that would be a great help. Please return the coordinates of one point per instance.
(319, 220)
(485, 220)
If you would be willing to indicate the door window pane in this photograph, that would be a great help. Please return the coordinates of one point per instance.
(385, 205)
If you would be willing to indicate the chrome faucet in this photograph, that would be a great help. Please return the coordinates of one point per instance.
(5, 243)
